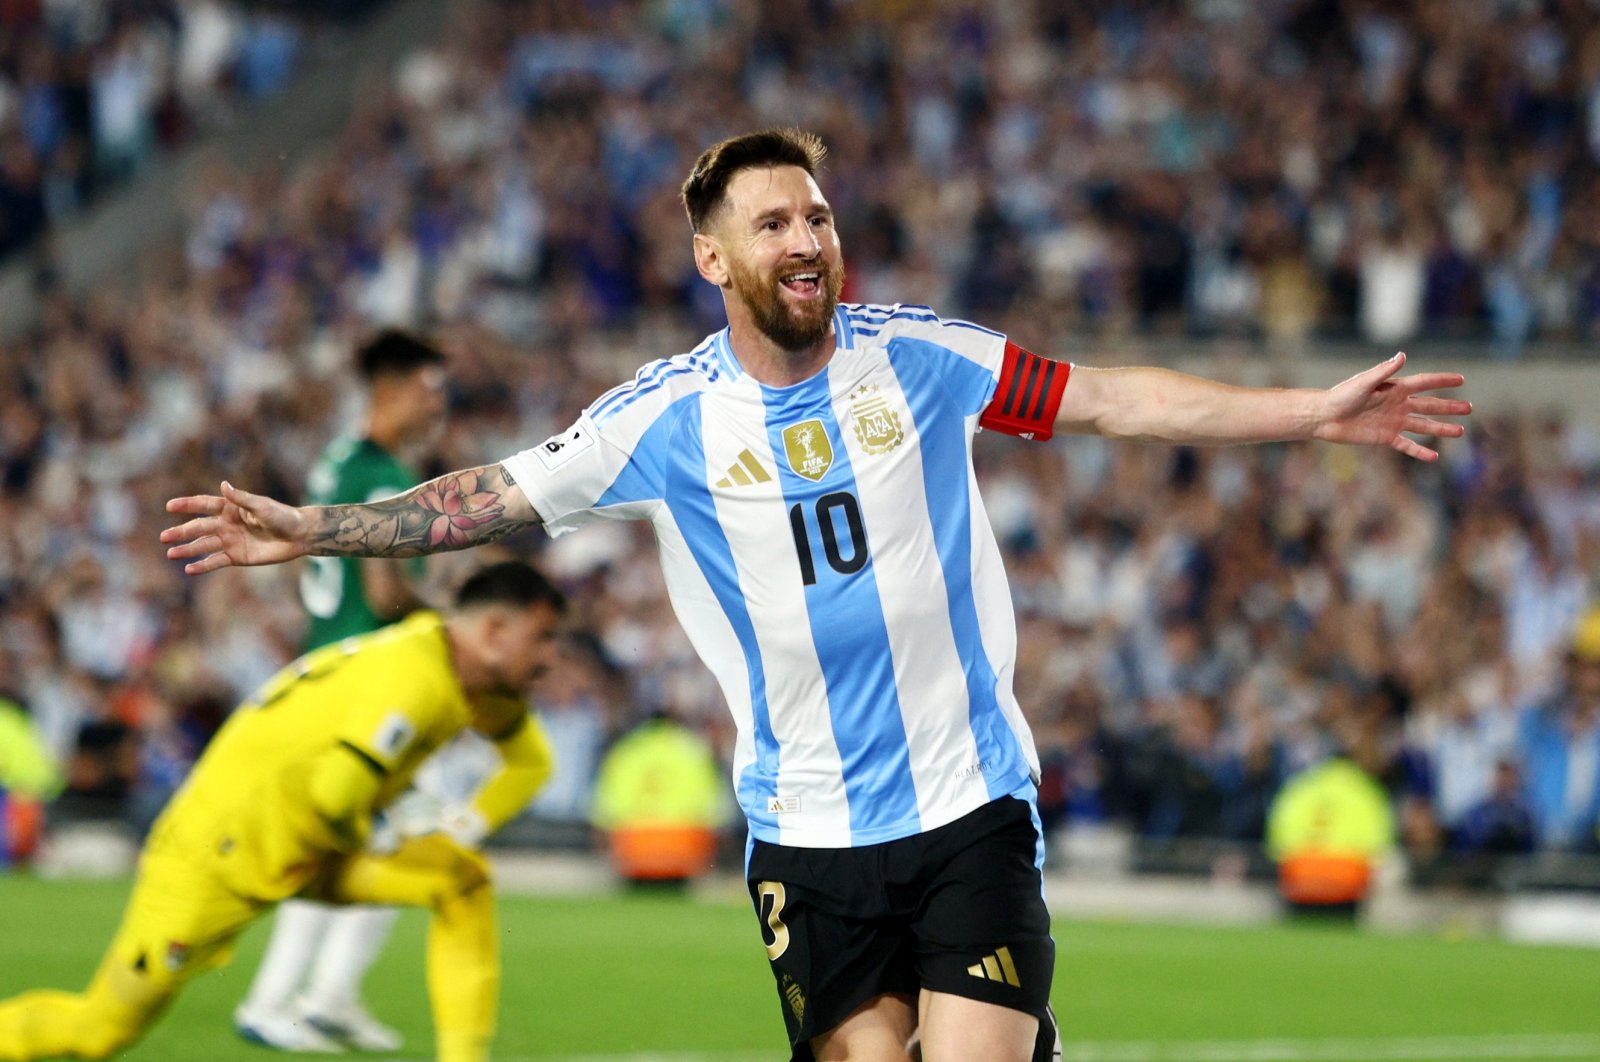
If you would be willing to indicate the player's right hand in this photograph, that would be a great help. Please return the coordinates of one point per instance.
(237, 528)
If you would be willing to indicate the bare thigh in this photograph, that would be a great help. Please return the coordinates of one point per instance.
(957, 1029)
(876, 1031)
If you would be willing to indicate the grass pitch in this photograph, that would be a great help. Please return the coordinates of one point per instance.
(664, 978)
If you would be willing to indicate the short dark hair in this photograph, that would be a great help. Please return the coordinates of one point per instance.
(512, 583)
(704, 189)
(392, 352)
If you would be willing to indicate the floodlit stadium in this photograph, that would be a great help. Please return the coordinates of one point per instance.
(1291, 664)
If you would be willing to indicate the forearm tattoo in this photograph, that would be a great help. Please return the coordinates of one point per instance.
(457, 510)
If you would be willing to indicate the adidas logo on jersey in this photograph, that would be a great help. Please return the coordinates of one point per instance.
(997, 967)
(745, 471)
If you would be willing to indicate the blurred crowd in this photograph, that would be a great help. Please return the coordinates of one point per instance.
(1282, 169)
(92, 90)
(1194, 625)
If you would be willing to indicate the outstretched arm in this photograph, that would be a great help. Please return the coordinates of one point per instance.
(457, 510)
(1372, 408)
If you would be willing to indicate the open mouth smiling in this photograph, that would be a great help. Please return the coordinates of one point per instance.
(806, 284)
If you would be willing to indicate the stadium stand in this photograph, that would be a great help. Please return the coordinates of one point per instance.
(1195, 626)
(91, 91)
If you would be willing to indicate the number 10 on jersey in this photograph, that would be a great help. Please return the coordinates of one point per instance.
(834, 517)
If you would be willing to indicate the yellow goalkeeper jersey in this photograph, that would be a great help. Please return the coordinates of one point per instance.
(389, 698)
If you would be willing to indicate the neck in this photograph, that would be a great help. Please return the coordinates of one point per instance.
(771, 364)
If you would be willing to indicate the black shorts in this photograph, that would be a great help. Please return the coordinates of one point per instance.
(958, 909)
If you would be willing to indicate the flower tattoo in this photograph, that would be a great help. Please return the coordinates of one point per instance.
(458, 512)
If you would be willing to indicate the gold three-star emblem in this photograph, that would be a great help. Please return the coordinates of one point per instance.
(876, 423)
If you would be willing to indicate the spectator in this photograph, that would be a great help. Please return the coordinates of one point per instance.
(89, 92)
(1329, 828)
(1502, 824)
(28, 777)
(1560, 746)
(101, 776)
(660, 798)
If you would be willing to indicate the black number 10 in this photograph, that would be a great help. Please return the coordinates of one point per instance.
(826, 506)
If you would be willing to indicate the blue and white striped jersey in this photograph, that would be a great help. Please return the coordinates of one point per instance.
(826, 550)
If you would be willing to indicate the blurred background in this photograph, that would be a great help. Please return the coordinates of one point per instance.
(205, 205)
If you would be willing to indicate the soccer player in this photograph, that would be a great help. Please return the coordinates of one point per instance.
(808, 475)
(281, 804)
(306, 995)
(404, 381)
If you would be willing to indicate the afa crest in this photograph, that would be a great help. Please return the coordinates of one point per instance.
(876, 423)
(796, 998)
(809, 451)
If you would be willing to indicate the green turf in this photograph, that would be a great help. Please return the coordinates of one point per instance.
(631, 975)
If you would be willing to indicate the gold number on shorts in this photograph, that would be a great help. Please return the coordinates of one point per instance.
(771, 892)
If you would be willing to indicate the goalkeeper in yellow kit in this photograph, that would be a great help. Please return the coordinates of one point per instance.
(282, 802)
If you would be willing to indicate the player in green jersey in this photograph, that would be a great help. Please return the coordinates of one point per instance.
(405, 383)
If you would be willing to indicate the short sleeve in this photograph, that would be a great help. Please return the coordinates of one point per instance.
(370, 474)
(579, 475)
(391, 480)
(388, 477)
(968, 357)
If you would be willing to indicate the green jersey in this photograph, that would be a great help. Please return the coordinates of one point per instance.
(350, 471)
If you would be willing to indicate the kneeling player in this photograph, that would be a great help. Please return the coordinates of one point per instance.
(281, 805)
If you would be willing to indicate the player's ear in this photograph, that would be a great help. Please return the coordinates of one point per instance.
(709, 259)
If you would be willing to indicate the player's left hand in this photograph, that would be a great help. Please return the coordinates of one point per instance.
(1375, 408)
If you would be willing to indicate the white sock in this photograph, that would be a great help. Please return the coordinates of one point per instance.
(351, 945)
(297, 932)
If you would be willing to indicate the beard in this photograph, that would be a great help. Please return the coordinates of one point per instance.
(792, 327)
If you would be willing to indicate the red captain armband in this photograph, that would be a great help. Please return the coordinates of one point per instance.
(1029, 393)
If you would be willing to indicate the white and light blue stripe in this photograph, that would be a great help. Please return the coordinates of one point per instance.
(848, 629)
(874, 703)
